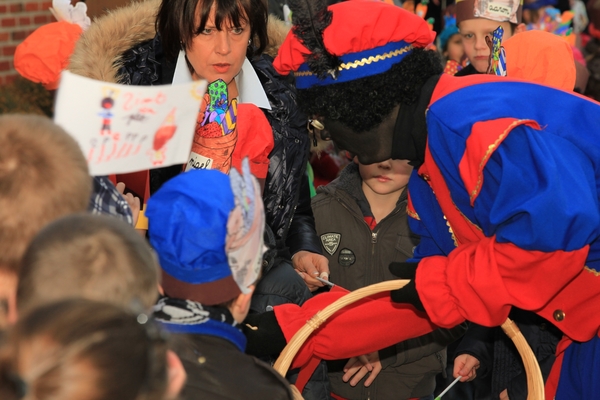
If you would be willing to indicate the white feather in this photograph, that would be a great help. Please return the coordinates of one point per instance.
(64, 11)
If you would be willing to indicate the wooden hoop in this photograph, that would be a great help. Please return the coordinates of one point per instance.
(535, 382)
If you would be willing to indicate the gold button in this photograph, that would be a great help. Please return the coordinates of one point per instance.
(201, 360)
(425, 177)
(558, 315)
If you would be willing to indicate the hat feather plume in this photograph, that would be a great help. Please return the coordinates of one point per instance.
(310, 18)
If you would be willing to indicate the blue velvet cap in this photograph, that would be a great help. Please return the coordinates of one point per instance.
(188, 226)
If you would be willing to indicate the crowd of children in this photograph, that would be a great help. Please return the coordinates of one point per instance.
(235, 261)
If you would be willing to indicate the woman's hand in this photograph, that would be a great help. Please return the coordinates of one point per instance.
(309, 265)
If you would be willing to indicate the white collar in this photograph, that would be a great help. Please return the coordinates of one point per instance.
(250, 89)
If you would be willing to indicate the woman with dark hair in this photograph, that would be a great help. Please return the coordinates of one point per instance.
(232, 41)
(180, 29)
(156, 36)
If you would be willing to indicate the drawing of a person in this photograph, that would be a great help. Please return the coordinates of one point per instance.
(107, 103)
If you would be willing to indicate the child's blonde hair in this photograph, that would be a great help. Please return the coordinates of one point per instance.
(92, 256)
(43, 176)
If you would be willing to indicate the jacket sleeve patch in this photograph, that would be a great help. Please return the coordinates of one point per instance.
(331, 242)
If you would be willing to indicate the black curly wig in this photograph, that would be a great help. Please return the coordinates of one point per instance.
(374, 96)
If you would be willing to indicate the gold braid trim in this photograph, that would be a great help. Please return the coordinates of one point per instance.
(363, 61)
(412, 214)
(591, 270)
(491, 148)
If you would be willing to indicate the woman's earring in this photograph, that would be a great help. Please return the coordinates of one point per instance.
(316, 127)
(249, 42)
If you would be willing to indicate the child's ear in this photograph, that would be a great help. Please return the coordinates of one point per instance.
(176, 376)
(520, 28)
(355, 160)
(241, 305)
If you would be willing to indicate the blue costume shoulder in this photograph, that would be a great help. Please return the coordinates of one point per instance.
(537, 183)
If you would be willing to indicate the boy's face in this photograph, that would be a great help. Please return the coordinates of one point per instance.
(385, 177)
(473, 33)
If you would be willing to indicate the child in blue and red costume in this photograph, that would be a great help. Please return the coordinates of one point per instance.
(505, 197)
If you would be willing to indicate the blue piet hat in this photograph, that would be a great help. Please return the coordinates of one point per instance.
(207, 229)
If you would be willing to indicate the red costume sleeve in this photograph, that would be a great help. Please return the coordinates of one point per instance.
(363, 327)
(488, 277)
(255, 140)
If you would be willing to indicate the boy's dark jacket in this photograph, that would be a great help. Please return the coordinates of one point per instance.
(211, 347)
(209, 361)
(361, 258)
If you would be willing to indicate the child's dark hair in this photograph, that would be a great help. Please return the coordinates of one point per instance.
(83, 350)
(377, 94)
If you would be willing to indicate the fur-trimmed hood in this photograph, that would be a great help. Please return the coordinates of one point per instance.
(98, 53)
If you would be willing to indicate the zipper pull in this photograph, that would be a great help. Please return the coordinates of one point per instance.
(373, 237)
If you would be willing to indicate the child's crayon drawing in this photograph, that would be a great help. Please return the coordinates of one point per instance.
(124, 128)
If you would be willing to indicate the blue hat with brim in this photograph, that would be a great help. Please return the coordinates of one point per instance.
(188, 227)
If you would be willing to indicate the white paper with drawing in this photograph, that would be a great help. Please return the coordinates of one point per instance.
(123, 128)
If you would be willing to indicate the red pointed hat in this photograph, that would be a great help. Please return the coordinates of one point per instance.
(365, 37)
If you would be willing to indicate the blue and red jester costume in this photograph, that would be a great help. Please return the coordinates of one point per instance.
(507, 205)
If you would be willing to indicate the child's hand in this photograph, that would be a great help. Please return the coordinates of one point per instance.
(309, 265)
(357, 367)
(134, 202)
(466, 366)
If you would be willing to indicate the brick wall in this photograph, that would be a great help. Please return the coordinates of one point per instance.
(17, 20)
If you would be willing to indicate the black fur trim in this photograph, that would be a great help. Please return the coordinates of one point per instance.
(310, 18)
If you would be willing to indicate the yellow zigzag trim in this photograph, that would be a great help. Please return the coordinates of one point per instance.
(591, 270)
(364, 61)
